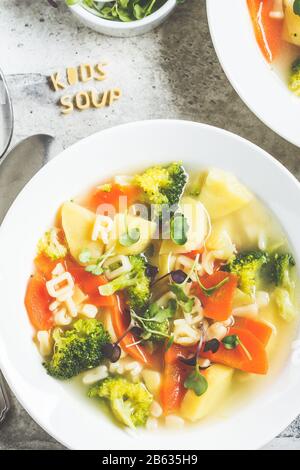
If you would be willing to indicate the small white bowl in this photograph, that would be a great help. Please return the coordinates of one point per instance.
(120, 29)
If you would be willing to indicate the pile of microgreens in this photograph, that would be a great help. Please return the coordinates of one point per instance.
(118, 10)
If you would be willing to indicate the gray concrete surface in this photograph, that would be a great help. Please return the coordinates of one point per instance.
(170, 73)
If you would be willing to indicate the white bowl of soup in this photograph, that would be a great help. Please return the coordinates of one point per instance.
(258, 45)
(149, 292)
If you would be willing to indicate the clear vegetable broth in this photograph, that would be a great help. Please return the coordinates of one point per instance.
(230, 222)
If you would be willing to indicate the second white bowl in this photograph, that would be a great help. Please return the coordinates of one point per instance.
(256, 81)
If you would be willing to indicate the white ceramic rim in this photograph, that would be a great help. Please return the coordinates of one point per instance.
(118, 25)
(287, 408)
(251, 76)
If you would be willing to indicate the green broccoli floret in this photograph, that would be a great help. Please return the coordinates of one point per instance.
(50, 245)
(294, 79)
(247, 266)
(136, 284)
(129, 402)
(77, 349)
(163, 184)
(278, 272)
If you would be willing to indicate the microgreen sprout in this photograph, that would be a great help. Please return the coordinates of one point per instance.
(170, 342)
(212, 345)
(196, 381)
(158, 316)
(232, 342)
(95, 265)
(151, 271)
(211, 290)
(186, 303)
(112, 351)
(178, 276)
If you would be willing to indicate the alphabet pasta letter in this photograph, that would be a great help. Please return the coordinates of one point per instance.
(56, 83)
(72, 75)
(85, 72)
(114, 95)
(82, 100)
(98, 102)
(66, 102)
(101, 73)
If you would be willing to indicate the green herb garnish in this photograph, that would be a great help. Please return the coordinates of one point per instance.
(85, 256)
(232, 342)
(185, 302)
(212, 345)
(95, 265)
(196, 382)
(154, 321)
(209, 291)
(170, 342)
(160, 314)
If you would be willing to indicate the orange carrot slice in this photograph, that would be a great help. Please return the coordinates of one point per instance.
(45, 265)
(130, 195)
(238, 358)
(89, 284)
(120, 322)
(175, 373)
(260, 330)
(218, 306)
(268, 31)
(37, 301)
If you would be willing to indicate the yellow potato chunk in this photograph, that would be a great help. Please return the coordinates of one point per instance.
(219, 380)
(78, 224)
(241, 299)
(223, 194)
(220, 243)
(125, 223)
(291, 27)
(152, 380)
(198, 224)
